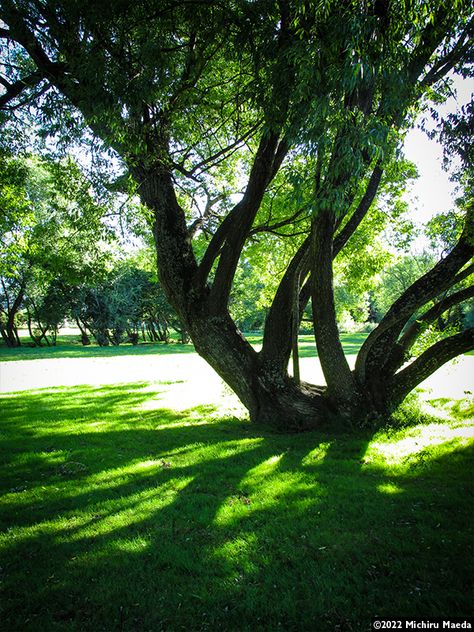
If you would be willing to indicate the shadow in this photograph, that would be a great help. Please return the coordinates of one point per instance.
(173, 521)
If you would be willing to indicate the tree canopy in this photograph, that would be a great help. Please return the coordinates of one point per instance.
(270, 120)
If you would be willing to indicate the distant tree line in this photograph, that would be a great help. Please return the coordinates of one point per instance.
(58, 263)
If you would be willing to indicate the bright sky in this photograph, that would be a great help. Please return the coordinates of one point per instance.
(433, 192)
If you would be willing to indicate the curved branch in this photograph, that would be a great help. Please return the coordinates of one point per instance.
(447, 63)
(420, 324)
(400, 351)
(271, 228)
(430, 361)
(222, 152)
(358, 215)
(263, 170)
(276, 347)
(373, 353)
(277, 324)
(227, 242)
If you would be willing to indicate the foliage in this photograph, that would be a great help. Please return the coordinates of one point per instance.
(128, 303)
(52, 235)
(263, 135)
(398, 277)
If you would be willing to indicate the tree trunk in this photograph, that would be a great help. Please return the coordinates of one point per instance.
(271, 398)
(12, 332)
(261, 380)
(341, 385)
(85, 340)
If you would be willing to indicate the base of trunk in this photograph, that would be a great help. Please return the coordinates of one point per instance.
(273, 399)
(290, 408)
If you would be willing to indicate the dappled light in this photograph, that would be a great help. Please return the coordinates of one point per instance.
(432, 440)
(235, 370)
(212, 517)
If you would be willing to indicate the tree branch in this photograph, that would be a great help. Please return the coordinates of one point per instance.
(400, 351)
(238, 222)
(415, 329)
(266, 163)
(210, 159)
(447, 63)
(430, 361)
(358, 215)
(197, 224)
(334, 363)
(276, 346)
(373, 353)
(271, 228)
(277, 324)
(13, 90)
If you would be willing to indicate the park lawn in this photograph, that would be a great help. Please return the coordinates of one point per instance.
(69, 346)
(119, 514)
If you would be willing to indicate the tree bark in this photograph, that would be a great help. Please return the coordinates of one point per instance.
(341, 385)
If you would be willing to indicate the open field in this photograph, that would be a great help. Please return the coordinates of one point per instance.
(72, 364)
(136, 497)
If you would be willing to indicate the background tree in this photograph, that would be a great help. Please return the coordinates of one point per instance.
(184, 92)
(52, 235)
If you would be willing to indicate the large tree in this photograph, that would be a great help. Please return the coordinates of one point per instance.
(310, 95)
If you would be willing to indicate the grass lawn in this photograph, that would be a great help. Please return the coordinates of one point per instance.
(69, 346)
(123, 510)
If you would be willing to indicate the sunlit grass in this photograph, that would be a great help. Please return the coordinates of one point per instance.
(70, 347)
(119, 513)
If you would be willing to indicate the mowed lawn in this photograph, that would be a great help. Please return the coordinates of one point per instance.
(152, 505)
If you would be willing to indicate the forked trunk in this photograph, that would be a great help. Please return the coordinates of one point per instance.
(271, 396)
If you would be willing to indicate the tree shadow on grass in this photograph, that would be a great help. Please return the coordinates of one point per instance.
(178, 521)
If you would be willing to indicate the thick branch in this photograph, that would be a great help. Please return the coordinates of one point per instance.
(176, 262)
(401, 350)
(276, 347)
(430, 361)
(447, 63)
(373, 352)
(13, 90)
(420, 324)
(278, 321)
(331, 354)
(234, 229)
(242, 220)
(19, 32)
(358, 215)
(460, 276)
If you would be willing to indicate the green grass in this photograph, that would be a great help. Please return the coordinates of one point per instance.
(70, 347)
(120, 514)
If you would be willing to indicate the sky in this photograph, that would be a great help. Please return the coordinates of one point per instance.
(433, 192)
